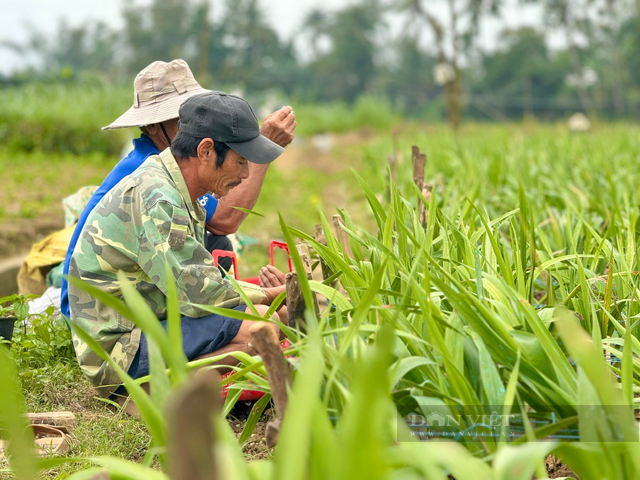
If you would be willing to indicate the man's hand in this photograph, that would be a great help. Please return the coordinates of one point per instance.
(279, 127)
(272, 293)
(270, 276)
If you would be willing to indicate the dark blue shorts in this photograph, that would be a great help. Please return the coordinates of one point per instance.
(200, 336)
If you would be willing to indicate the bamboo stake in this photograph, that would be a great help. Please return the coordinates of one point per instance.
(191, 437)
(266, 342)
(419, 161)
(320, 238)
(295, 302)
(341, 235)
(305, 256)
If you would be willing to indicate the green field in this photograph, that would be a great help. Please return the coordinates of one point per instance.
(519, 293)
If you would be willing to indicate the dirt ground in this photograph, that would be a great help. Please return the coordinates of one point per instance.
(557, 469)
(256, 447)
(17, 235)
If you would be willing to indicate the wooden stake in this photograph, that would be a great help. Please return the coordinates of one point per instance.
(295, 302)
(191, 437)
(266, 342)
(320, 238)
(341, 235)
(424, 211)
(272, 432)
(419, 160)
(305, 256)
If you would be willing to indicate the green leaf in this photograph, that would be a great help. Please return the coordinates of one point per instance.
(149, 412)
(13, 420)
(492, 388)
(174, 318)
(521, 462)
(291, 456)
(333, 296)
(252, 419)
(362, 310)
(249, 212)
(401, 367)
(144, 318)
(302, 277)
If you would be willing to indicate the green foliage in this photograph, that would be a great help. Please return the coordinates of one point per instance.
(13, 421)
(306, 448)
(519, 293)
(339, 56)
(72, 50)
(367, 112)
(28, 190)
(41, 344)
(158, 32)
(347, 69)
(525, 70)
(62, 118)
(15, 306)
(67, 119)
(50, 380)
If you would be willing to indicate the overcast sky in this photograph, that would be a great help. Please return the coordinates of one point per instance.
(285, 15)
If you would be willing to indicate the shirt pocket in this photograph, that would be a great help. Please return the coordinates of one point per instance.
(124, 324)
(179, 230)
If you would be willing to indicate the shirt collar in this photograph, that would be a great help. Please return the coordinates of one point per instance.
(196, 210)
(145, 145)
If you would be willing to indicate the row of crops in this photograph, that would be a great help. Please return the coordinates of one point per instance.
(516, 300)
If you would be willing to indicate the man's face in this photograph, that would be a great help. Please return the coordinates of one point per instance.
(234, 169)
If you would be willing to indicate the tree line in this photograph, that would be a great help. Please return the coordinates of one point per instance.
(435, 67)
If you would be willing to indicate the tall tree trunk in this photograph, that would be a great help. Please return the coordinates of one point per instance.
(452, 89)
(453, 98)
(455, 101)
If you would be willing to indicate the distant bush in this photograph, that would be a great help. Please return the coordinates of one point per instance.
(368, 111)
(62, 118)
(67, 118)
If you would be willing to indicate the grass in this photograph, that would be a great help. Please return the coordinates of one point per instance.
(369, 112)
(525, 275)
(34, 184)
(51, 381)
(67, 118)
(62, 118)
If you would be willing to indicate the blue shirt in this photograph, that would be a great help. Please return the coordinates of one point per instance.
(143, 148)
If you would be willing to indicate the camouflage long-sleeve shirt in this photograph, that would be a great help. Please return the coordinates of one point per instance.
(145, 221)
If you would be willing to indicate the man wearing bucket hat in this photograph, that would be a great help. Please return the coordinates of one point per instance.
(151, 227)
(159, 90)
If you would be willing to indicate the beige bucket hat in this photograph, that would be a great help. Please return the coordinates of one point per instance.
(159, 90)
